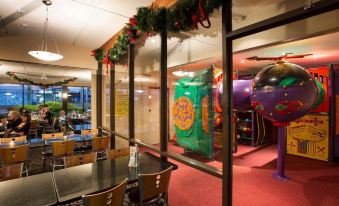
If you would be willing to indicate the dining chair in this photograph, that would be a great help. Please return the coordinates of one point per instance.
(33, 130)
(100, 145)
(110, 197)
(15, 155)
(11, 172)
(115, 153)
(47, 152)
(60, 150)
(152, 188)
(89, 131)
(76, 160)
(14, 139)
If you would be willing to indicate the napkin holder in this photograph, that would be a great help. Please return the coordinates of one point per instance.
(133, 156)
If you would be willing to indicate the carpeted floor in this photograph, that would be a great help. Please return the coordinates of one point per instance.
(311, 183)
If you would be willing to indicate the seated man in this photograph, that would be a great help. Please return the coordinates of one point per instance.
(13, 121)
(23, 127)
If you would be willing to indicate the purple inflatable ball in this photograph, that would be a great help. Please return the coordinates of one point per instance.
(241, 94)
(283, 92)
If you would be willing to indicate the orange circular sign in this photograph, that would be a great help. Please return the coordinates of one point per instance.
(183, 113)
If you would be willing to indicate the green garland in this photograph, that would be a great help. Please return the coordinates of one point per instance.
(184, 17)
(27, 81)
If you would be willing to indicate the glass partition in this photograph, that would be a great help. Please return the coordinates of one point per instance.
(10, 96)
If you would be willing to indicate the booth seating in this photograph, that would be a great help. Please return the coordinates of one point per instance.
(110, 197)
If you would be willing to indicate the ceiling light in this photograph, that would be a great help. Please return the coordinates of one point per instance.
(8, 94)
(42, 53)
(179, 73)
(139, 91)
(242, 61)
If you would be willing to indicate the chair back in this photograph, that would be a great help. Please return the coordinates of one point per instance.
(111, 197)
(63, 148)
(101, 143)
(11, 172)
(72, 161)
(89, 131)
(34, 125)
(115, 153)
(15, 139)
(52, 135)
(153, 185)
(13, 155)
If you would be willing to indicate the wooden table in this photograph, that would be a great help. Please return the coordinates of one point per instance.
(33, 190)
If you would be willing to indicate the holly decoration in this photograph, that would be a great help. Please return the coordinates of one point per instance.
(27, 81)
(186, 16)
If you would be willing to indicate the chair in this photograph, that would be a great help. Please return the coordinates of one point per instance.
(89, 131)
(48, 153)
(115, 153)
(11, 172)
(111, 197)
(101, 145)
(52, 135)
(15, 155)
(153, 188)
(15, 139)
(62, 149)
(72, 161)
(33, 130)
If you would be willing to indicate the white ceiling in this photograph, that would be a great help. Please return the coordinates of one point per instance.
(85, 23)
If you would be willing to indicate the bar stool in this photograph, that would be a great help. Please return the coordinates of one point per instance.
(48, 153)
(100, 145)
(61, 149)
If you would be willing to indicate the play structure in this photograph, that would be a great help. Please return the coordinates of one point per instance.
(295, 100)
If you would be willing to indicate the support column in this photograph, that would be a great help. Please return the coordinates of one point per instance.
(163, 95)
(227, 69)
(131, 121)
(65, 98)
(282, 144)
(112, 105)
(99, 96)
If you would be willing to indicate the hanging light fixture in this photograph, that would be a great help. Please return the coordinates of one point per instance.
(44, 76)
(42, 53)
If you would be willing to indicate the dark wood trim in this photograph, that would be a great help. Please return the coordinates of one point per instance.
(227, 69)
(332, 113)
(285, 18)
(112, 104)
(163, 95)
(131, 116)
(99, 96)
(65, 99)
(23, 95)
(83, 99)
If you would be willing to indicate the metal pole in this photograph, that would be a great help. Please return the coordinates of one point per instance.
(282, 138)
(163, 95)
(112, 105)
(131, 126)
(227, 65)
(99, 96)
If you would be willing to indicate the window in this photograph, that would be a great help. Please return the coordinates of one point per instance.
(10, 96)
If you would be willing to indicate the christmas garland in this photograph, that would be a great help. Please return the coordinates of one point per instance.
(186, 16)
(27, 81)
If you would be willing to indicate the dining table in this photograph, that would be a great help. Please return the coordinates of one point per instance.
(31, 191)
(67, 185)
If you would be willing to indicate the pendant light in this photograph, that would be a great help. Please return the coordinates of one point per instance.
(42, 53)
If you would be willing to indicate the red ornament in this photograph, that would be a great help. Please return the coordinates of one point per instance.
(132, 21)
(129, 32)
(132, 40)
(177, 24)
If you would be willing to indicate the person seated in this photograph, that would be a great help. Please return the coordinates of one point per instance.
(24, 126)
(47, 115)
(13, 121)
(62, 120)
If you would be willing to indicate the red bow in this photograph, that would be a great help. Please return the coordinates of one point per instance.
(107, 62)
(203, 17)
(132, 21)
(93, 52)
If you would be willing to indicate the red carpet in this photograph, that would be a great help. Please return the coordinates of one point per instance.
(312, 183)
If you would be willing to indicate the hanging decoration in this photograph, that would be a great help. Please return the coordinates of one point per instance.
(43, 85)
(186, 16)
